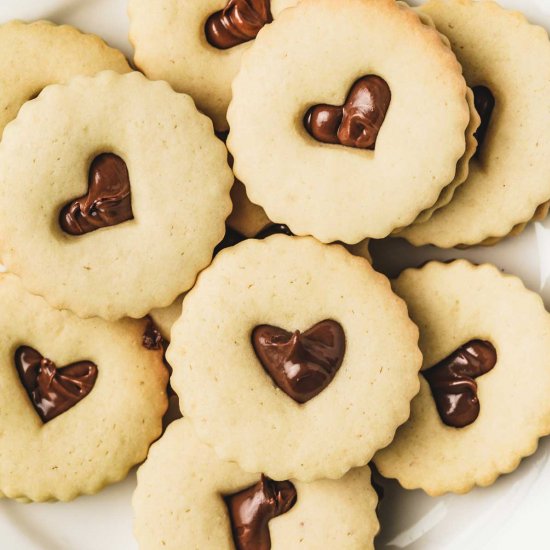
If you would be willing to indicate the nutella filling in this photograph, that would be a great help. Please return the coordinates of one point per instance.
(301, 364)
(453, 385)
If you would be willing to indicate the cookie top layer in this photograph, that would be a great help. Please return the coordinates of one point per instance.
(509, 176)
(158, 220)
(99, 422)
(171, 44)
(184, 507)
(240, 407)
(319, 49)
(35, 55)
(456, 304)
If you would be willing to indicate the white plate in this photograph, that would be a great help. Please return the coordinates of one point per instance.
(511, 514)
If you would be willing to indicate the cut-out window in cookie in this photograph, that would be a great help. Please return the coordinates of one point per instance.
(53, 390)
(301, 364)
(357, 122)
(108, 200)
(239, 22)
(251, 509)
(453, 384)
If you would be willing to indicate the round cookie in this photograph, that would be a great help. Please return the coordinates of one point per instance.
(184, 507)
(68, 429)
(170, 44)
(38, 54)
(331, 55)
(322, 397)
(509, 181)
(103, 206)
(483, 401)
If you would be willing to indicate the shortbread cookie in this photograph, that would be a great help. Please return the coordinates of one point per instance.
(507, 62)
(103, 204)
(81, 400)
(285, 338)
(483, 401)
(34, 55)
(188, 498)
(197, 46)
(369, 128)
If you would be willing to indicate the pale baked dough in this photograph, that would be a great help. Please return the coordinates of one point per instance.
(180, 184)
(312, 54)
(178, 502)
(34, 55)
(293, 283)
(99, 439)
(510, 178)
(453, 304)
(170, 44)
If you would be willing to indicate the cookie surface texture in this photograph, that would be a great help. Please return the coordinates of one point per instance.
(38, 54)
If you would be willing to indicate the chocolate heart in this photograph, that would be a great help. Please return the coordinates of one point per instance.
(51, 390)
(251, 509)
(107, 202)
(239, 22)
(358, 121)
(302, 365)
(453, 385)
(484, 102)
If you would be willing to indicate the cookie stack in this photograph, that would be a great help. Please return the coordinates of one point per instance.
(209, 217)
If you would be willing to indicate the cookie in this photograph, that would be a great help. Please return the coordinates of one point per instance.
(41, 53)
(81, 400)
(369, 129)
(507, 62)
(180, 41)
(483, 401)
(349, 348)
(200, 502)
(103, 205)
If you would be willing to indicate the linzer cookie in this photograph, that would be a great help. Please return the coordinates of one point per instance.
(370, 127)
(483, 401)
(186, 497)
(93, 216)
(197, 46)
(81, 400)
(34, 55)
(507, 63)
(284, 339)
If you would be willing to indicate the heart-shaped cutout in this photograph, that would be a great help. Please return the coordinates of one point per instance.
(53, 390)
(108, 200)
(301, 364)
(358, 121)
(453, 385)
(239, 22)
(251, 509)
